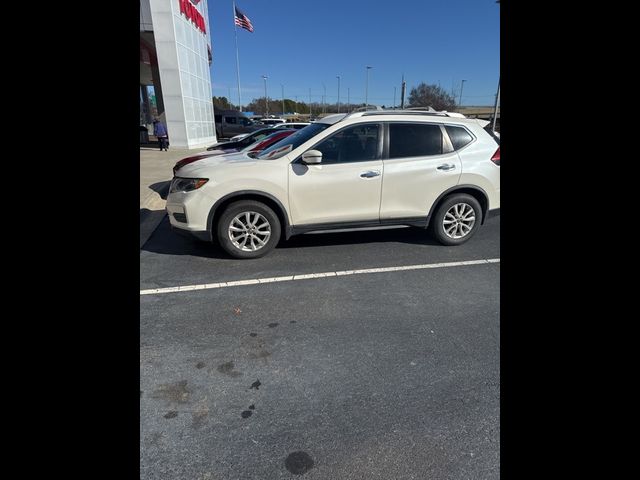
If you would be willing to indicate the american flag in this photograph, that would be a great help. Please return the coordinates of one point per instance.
(242, 20)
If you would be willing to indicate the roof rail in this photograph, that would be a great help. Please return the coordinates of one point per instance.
(366, 109)
(428, 109)
(414, 112)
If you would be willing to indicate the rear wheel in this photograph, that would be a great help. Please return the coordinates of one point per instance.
(248, 229)
(456, 219)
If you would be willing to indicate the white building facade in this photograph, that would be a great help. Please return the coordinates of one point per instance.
(175, 82)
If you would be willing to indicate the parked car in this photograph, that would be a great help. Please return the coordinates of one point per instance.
(233, 122)
(294, 125)
(246, 140)
(345, 171)
(251, 150)
(272, 121)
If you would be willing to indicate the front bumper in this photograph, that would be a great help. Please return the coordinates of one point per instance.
(198, 235)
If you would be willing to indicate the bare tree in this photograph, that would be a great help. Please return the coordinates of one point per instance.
(431, 96)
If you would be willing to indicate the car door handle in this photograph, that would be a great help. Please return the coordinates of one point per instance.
(370, 173)
(446, 166)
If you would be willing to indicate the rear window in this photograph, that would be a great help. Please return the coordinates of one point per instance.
(414, 140)
(459, 136)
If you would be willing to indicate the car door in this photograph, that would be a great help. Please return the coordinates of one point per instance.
(346, 186)
(419, 165)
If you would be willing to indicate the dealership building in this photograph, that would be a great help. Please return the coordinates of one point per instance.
(175, 82)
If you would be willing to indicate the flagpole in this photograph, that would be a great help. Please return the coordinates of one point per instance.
(235, 29)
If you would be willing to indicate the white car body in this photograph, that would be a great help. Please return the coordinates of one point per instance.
(313, 197)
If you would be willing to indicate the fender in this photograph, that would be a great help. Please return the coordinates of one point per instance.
(485, 208)
(240, 193)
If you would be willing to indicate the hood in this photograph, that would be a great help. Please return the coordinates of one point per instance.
(192, 170)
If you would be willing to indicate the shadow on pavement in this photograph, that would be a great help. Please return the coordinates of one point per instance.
(161, 188)
(165, 241)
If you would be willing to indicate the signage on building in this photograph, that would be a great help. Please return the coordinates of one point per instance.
(189, 10)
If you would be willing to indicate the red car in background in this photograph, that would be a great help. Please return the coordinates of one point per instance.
(252, 150)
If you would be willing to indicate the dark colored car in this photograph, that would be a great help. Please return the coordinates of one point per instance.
(243, 142)
(252, 150)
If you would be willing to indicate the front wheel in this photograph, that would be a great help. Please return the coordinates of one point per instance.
(457, 219)
(248, 229)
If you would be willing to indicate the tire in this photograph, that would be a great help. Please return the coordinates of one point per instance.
(234, 242)
(464, 216)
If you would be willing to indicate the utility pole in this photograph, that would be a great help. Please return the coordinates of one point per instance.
(394, 97)
(309, 104)
(266, 103)
(402, 91)
(348, 99)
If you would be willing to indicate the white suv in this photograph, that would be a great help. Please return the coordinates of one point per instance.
(345, 171)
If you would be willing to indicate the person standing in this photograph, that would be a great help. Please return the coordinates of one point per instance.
(160, 131)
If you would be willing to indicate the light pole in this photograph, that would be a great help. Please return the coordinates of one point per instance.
(495, 109)
(266, 104)
(282, 99)
(461, 87)
(338, 77)
(394, 97)
(310, 105)
(366, 91)
(348, 99)
(324, 98)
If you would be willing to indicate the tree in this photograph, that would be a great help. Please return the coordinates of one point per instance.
(222, 103)
(431, 96)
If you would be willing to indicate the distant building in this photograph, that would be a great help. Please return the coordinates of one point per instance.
(175, 82)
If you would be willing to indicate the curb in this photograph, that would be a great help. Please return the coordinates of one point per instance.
(152, 212)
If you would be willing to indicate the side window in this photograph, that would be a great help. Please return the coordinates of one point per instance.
(459, 136)
(232, 120)
(353, 144)
(414, 140)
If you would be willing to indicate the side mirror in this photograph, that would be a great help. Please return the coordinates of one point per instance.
(311, 157)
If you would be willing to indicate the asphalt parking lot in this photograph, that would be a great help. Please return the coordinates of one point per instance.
(388, 375)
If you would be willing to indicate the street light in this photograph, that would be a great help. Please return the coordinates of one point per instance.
(366, 94)
(495, 108)
(338, 77)
(266, 104)
(324, 98)
(282, 99)
(461, 87)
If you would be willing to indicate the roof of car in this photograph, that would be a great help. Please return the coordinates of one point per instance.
(431, 115)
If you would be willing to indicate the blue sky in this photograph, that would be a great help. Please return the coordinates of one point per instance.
(303, 44)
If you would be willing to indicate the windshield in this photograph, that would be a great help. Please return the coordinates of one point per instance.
(293, 141)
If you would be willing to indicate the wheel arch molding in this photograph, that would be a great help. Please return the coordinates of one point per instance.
(472, 190)
(266, 198)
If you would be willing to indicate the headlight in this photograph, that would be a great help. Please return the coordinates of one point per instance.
(186, 184)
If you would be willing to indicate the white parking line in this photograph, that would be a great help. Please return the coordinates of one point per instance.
(254, 281)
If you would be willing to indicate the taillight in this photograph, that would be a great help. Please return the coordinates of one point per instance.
(496, 157)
